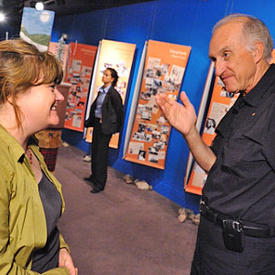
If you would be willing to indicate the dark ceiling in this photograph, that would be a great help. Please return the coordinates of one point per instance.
(14, 8)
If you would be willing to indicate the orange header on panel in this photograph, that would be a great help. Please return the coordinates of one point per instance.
(164, 68)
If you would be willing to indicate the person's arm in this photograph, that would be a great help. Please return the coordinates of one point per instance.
(118, 106)
(269, 140)
(65, 260)
(7, 262)
(89, 121)
(183, 118)
(63, 244)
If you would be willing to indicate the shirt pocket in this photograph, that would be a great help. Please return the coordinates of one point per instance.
(243, 148)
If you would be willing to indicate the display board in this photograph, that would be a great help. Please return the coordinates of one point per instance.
(61, 52)
(79, 69)
(164, 68)
(134, 99)
(119, 56)
(221, 102)
(201, 115)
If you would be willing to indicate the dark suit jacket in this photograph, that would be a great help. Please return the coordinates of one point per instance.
(112, 113)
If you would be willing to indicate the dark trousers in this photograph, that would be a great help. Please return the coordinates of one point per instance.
(99, 153)
(211, 257)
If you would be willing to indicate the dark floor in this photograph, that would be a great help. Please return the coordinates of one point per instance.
(123, 230)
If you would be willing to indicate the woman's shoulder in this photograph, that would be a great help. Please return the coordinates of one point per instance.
(114, 92)
(112, 89)
(8, 162)
(10, 149)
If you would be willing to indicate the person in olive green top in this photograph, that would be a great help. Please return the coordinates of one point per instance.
(31, 201)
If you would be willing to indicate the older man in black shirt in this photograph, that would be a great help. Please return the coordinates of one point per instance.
(237, 229)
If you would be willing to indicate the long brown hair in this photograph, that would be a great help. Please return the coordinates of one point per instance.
(23, 66)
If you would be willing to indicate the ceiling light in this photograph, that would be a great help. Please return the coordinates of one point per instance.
(39, 6)
(2, 17)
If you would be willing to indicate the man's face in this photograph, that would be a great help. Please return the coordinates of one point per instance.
(234, 63)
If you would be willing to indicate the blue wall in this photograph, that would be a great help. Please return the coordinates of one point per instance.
(186, 22)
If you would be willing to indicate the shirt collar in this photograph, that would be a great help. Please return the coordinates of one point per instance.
(105, 89)
(15, 148)
(255, 96)
(13, 145)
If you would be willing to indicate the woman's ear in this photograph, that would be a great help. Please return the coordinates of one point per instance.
(9, 99)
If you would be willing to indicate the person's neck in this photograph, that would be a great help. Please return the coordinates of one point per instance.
(106, 85)
(8, 121)
(262, 67)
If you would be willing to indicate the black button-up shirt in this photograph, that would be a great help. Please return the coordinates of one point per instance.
(241, 183)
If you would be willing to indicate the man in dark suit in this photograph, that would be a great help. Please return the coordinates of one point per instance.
(106, 117)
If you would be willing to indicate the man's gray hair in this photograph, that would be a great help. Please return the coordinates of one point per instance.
(254, 29)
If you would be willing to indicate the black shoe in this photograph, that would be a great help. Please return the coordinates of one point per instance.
(90, 178)
(94, 191)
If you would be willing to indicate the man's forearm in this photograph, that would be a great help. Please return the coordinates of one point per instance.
(203, 155)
